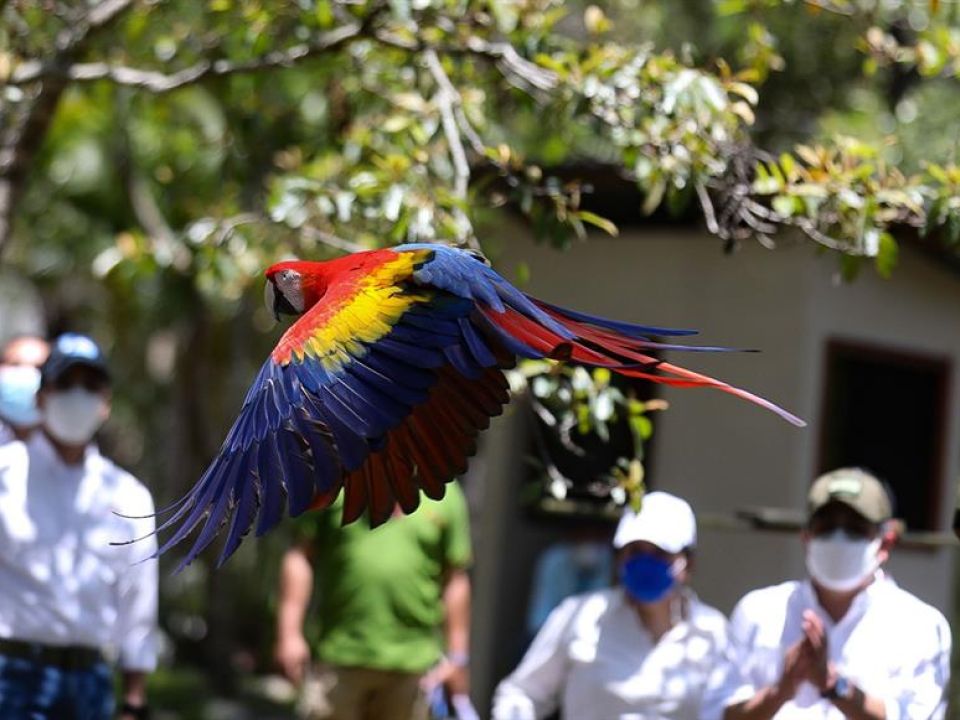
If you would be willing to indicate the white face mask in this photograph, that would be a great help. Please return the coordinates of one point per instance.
(18, 395)
(74, 416)
(840, 563)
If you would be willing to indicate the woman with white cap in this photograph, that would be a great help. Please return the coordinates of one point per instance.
(645, 649)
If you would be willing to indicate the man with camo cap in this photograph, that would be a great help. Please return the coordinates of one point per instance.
(848, 642)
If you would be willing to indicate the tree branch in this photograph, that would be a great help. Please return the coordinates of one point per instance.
(96, 17)
(510, 63)
(166, 249)
(331, 240)
(159, 82)
(706, 205)
(830, 7)
(804, 224)
(448, 98)
(227, 226)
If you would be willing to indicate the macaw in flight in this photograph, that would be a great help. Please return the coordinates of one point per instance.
(382, 385)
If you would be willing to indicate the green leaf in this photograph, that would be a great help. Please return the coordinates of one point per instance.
(731, 7)
(789, 166)
(641, 426)
(850, 266)
(601, 376)
(521, 273)
(597, 221)
(596, 21)
(953, 226)
(507, 14)
(654, 196)
(400, 8)
(577, 226)
(933, 214)
(747, 92)
(784, 205)
(938, 173)
(887, 253)
(777, 174)
(324, 14)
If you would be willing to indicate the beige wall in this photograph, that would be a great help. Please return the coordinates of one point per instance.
(722, 453)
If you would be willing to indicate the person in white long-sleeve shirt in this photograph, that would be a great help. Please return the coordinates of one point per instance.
(68, 596)
(847, 642)
(647, 649)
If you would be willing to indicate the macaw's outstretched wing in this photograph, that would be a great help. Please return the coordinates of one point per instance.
(381, 388)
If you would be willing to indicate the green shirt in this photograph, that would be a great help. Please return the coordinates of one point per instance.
(379, 592)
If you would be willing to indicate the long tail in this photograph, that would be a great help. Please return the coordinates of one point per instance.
(564, 334)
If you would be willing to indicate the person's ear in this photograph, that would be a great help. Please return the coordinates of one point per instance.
(890, 532)
(106, 406)
(683, 577)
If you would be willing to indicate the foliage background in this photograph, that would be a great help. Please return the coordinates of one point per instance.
(155, 156)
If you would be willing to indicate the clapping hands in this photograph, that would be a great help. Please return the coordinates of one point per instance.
(808, 659)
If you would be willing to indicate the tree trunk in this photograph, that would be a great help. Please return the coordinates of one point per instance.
(27, 130)
(20, 145)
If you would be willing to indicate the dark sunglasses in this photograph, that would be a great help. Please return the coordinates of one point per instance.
(90, 383)
(854, 528)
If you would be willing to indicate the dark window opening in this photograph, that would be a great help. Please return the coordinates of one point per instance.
(885, 411)
(585, 459)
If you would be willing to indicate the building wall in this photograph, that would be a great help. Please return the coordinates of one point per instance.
(717, 451)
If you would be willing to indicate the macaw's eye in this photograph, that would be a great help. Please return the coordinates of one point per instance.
(288, 278)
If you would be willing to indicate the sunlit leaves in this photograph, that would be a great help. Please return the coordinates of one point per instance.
(848, 198)
(668, 121)
(574, 402)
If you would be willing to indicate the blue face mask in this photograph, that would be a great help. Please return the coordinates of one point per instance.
(647, 578)
(18, 395)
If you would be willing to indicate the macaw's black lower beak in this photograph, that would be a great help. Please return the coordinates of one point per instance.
(282, 307)
(276, 303)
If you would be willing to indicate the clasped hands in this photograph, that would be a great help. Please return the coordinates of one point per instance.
(808, 659)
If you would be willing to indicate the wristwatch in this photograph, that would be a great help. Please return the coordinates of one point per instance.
(843, 689)
(840, 690)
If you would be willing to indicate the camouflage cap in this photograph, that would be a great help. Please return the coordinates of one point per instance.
(854, 487)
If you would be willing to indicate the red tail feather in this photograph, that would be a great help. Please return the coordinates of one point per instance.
(608, 348)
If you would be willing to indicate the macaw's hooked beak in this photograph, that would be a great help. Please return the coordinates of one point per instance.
(275, 301)
(270, 299)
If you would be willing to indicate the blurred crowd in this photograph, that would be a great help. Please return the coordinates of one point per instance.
(616, 632)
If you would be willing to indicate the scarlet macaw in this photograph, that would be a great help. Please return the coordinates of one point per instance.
(382, 385)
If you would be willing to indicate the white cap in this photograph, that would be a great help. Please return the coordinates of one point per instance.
(664, 520)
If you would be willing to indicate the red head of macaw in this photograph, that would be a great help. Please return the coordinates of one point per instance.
(381, 386)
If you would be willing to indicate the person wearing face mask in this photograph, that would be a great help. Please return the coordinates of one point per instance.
(20, 361)
(645, 649)
(70, 597)
(848, 642)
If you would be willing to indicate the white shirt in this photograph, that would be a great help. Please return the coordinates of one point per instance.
(594, 659)
(890, 644)
(6, 433)
(61, 581)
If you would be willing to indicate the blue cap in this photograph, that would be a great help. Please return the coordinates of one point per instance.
(72, 349)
